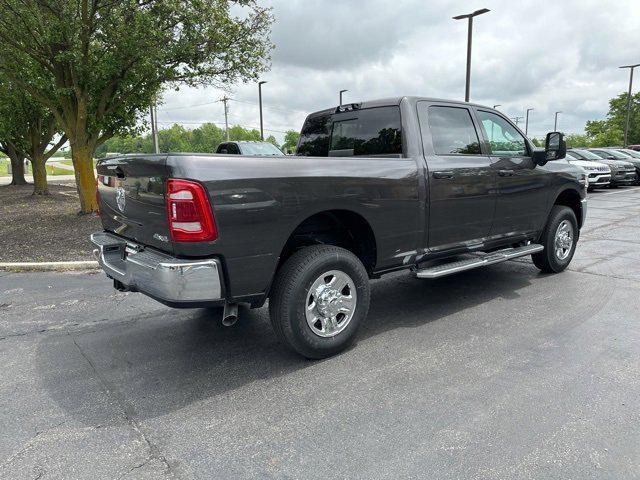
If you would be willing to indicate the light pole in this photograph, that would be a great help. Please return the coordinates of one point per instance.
(154, 128)
(555, 122)
(260, 102)
(341, 92)
(526, 122)
(496, 106)
(626, 124)
(469, 37)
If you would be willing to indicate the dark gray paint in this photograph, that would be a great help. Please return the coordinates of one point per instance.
(259, 201)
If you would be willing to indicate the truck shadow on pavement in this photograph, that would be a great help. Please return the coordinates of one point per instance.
(154, 363)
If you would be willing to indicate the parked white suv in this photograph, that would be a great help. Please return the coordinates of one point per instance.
(598, 174)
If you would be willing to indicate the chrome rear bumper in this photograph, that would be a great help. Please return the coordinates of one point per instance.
(172, 281)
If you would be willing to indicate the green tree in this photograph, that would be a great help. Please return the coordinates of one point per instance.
(272, 139)
(28, 130)
(610, 131)
(97, 64)
(290, 141)
(577, 141)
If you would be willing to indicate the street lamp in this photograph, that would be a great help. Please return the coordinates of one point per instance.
(526, 122)
(469, 35)
(496, 106)
(555, 123)
(626, 125)
(341, 92)
(260, 102)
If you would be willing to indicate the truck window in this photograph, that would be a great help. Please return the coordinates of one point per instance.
(314, 137)
(452, 131)
(504, 139)
(368, 132)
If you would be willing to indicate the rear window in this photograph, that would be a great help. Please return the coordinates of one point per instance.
(368, 132)
(314, 138)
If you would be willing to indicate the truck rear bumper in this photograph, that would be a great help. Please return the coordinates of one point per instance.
(172, 281)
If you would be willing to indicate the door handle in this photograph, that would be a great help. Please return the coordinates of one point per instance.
(506, 173)
(443, 174)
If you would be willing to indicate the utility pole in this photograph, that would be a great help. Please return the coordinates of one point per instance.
(469, 39)
(341, 92)
(626, 124)
(224, 100)
(526, 124)
(260, 102)
(517, 120)
(555, 122)
(154, 128)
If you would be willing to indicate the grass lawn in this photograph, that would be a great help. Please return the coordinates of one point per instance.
(51, 170)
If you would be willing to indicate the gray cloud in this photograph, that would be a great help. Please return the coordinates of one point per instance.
(546, 55)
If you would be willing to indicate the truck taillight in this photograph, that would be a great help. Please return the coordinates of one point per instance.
(190, 215)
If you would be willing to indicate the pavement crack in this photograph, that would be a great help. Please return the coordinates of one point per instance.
(127, 413)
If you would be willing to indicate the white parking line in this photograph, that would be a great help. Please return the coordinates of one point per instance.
(627, 190)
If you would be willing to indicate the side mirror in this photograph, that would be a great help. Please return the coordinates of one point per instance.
(555, 148)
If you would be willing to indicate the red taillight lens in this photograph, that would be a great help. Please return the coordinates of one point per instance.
(190, 215)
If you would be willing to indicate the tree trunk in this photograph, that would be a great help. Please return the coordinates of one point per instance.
(17, 169)
(85, 179)
(40, 186)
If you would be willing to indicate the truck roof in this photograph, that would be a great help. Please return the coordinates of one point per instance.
(391, 101)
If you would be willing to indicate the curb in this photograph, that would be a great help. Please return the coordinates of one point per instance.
(49, 266)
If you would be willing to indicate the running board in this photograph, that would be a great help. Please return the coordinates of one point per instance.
(486, 259)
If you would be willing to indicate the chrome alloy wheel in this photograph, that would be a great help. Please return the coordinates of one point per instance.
(563, 242)
(331, 303)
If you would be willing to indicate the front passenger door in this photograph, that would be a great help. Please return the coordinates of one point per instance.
(522, 186)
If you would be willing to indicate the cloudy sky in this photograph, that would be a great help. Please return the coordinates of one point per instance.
(548, 55)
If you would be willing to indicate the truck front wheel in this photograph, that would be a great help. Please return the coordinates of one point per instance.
(559, 238)
(319, 298)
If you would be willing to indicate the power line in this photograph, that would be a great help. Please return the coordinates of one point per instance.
(169, 122)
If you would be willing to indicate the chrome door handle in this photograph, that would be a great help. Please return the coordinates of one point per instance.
(443, 174)
(506, 173)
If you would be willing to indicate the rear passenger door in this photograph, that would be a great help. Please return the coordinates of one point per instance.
(460, 181)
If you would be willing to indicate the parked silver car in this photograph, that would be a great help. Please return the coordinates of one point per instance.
(598, 174)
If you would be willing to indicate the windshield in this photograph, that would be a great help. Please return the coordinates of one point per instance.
(260, 148)
(587, 155)
(618, 155)
(631, 153)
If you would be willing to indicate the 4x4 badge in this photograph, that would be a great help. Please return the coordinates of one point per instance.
(120, 198)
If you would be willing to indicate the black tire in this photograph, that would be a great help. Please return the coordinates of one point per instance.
(590, 189)
(290, 294)
(548, 260)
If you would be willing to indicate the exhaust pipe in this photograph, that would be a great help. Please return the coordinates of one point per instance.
(230, 315)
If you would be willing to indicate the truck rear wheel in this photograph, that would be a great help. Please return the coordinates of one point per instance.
(319, 299)
(559, 238)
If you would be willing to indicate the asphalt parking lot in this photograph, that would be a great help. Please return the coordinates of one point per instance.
(497, 373)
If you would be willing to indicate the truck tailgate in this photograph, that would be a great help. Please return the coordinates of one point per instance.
(131, 193)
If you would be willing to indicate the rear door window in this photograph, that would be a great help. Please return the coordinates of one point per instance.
(452, 131)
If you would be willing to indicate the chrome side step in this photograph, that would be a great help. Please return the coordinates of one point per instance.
(481, 261)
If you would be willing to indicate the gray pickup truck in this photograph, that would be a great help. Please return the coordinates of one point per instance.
(432, 186)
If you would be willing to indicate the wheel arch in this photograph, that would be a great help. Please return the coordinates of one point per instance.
(341, 227)
(570, 197)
